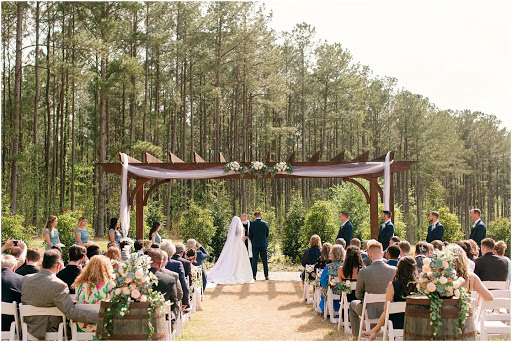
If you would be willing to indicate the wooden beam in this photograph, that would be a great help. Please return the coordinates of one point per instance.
(131, 160)
(268, 157)
(363, 158)
(360, 186)
(174, 159)
(374, 209)
(151, 159)
(198, 159)
(339, 158)
(291, 160)
(139, 210)
(221, 158)
(383, 157)
(315, 158)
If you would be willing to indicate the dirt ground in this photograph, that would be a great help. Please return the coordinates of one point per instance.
(264, 310)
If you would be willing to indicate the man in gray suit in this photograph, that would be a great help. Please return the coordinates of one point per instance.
(372, 279)
(44, 289)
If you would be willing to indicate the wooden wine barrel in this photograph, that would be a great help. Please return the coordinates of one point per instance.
(417, 321)
(134, 325)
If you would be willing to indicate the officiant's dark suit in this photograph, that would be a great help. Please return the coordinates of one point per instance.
(386, 232)
(345, 232)
(258, 234)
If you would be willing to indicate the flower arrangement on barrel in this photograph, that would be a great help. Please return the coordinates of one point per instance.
(438, 280)
(133, 283)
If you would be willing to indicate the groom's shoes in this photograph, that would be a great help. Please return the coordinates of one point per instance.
(254, 278)
(266, 278)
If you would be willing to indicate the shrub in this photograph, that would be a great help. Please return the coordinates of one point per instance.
(12, 226)
(498, 230)
(196, 223)
(221, 222)
(452, 227)
(292, 232)
(319, 220)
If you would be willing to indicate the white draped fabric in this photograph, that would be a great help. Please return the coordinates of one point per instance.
(327, 171)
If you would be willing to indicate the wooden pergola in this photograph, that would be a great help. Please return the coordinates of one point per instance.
(141, 196)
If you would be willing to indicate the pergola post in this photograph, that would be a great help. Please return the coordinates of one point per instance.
(374, 208)
(391, 198)
(139, 210)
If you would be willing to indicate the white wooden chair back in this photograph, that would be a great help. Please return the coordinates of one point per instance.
(329, 304)
(307, 285)
(496, 285)
(14, 330)
(169, 314)
(369, 298)
(29, 310)
(83, 336)
(344, 306)
(393, 308)
(493, 321)
(500, 293)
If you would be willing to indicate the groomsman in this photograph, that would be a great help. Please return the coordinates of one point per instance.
(436, 229)
(247, 226)
(346, 228)
(386, 230)
(478, 230)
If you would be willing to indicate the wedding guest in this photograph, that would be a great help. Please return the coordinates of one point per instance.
(346, 228)
(311, 255)
(50, 232)
(18, 250)
(190, 255)
(478, 230)
(166, 283)
(11, 287)
(138, 245)
(154, 237)
(352, 264)
(491, 267)
(176, 276)
(403, 284)
(435, 230)
(93, 285)
(386, 230)
(113, 253)
(77, 255)
(499, 250)
(44, 289)
(331, 270)
(176, 266)
(472, 281)
(341, 242)
(392, 254)
(125, 247)
(372, 279)
(475, 249)
(32, 259)
(93, 250)
(421, 252)
(438, 245)
(466, 246)
(324, 257)
(201, 255)
(114, 233)
(405, 248)
(394, 239)
(356, 242)
(81, 233)
(187, 265)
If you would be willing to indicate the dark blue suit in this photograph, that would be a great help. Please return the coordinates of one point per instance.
(201, 255)
(435, 234)
(258, 235)
(11, 292)
(386, 232)
(478, 233)
(345, 232)
(176, 266)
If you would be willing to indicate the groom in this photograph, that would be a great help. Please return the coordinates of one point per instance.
(258, 235)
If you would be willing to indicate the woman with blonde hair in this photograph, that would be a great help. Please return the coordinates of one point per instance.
(94, 284)
(311, 255)
(50, 232)
(81, 233)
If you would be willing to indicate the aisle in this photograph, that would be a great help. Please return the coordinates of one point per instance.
(264, 310)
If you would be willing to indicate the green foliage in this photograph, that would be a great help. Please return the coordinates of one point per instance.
(319, 220)
(196, 223)
(452, 227)
(292, 230)
(498, 229)
(154, 214)
(349, 197)
(12, 226)
(66, 227)
(221, 221)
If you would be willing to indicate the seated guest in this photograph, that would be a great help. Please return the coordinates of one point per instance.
(475, 249)
(472, 283)
(187, 265)
(77, 255)
(44, 289)
(11, 287)
(490, 267)
(93, 250)
(392, 254)
(138, 245)
(155, 245)
(394, 239)
(438, 245)
(311, 255)
(499, 250)
(81, 232)
(32, 259)
(466, 246)
(341, 241)
(331, 270)
(403, 284)
(176, 266)
(166, 283)
(405, 248)
(356, 242)
(372, 279)
(176, 276)
(190, 255)
(94, 284)
(18, 251)
(125, 248)
(114, 232)
(201, 255)
(422, 251)
(113, 253)
(351, 266)
(324, 257)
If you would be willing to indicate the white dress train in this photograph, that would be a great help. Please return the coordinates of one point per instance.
(233, 266)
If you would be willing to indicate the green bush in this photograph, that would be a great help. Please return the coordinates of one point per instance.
(66, 227)
(319, 220)
(498, 230)
(292, 232)
(196, 223)
(221, 221)
(12, 226)
(452, 227)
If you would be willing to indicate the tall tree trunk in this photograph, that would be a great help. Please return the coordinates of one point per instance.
(61, 130)
(36, 116)
(49, 117)
(73, 113)
(192, 136)
(133, 79)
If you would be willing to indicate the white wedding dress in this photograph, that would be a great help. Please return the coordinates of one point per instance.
(233, 266)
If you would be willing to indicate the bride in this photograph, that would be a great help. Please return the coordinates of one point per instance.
(233, 266)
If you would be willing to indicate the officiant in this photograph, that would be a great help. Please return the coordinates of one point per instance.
(247, 225)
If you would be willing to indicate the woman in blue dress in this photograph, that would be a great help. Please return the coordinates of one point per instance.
(50, 232)
(153, 233)
(81, 233)
(331, 271)
(114, 234)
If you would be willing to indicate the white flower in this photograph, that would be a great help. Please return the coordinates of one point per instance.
(461, 281)
(425, 269)
(126, 291)
(442, 280)
(427, 261)
(456, 293)
(431, 287)
(118, 291)
(446, 265)
(456, 285)
(135, 294)
(347, 282)
(145, 279)
(128, 280)
(139, 274)
(143, 298)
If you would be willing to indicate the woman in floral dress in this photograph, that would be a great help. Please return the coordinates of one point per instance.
(94, 284)
(330, 272)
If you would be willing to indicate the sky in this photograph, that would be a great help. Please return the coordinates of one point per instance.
(458, 53)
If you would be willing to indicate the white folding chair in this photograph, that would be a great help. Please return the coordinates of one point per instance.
(493, 322)
(496, 285)
(329, 305)
(29, 310)
(307, 286)
(83, 336)
(169, 314)
(369, 298)
(344, 305)
(14, 332)
(500, 293)
(393, 308)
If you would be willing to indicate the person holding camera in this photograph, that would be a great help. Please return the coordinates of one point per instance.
(18, 250)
